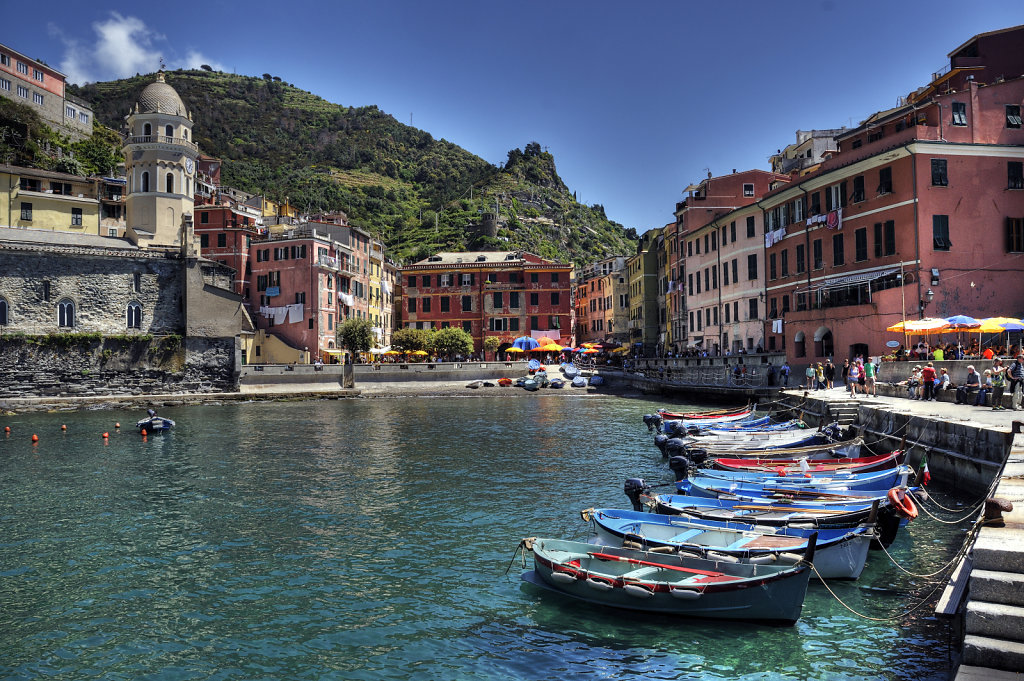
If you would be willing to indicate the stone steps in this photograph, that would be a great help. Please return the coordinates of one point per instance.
(983, 651)
(991, 586)
(995, 620)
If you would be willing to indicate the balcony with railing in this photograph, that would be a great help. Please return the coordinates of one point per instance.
(162, 139)
(329, 263)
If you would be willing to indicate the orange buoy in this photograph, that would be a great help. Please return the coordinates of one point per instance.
(7, 429)
(35, 438)
(106, 435)
(143, 432)
(63, 427)
(117, 425)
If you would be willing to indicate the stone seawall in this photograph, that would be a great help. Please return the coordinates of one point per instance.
(82, 365)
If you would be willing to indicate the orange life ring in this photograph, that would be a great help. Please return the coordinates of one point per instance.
(902, 502)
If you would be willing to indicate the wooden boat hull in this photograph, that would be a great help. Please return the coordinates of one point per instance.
(155, 424)
(672, 585)
(791, 466)
(834, 450)
(724, 416)
(753, 482)
(840, 553)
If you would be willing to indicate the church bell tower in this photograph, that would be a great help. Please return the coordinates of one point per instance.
(160, 158)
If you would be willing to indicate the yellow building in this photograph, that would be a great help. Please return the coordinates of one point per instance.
(378, 302)
(40, 199)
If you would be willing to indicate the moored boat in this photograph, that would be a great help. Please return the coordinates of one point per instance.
(749, 482)
(556, 383)
(579, 382)
(799, 466)
(840, 552)
(719, 415)
(671, 584)
(154, 423)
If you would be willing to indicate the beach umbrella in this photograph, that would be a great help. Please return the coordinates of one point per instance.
(514, 349)
(921, 326)
(525, 343)
(1000, 324)
(567, 349)
(420, 352)
(551, 347)
(544, 340)
(961, 321)
(392, 352)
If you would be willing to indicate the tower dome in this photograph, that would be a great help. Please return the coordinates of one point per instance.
(159, 97)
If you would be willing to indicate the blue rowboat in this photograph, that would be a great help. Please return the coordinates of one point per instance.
(570, 370)
(155, 424)
(885, 480)
(579, 382)
(840, 552)
(670, 584)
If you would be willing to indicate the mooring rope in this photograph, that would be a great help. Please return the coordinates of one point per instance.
(959, 554)
(937, 519)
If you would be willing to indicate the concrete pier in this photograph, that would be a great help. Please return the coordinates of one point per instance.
(981, 452)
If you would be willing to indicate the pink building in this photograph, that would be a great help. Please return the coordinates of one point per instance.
(919, 213)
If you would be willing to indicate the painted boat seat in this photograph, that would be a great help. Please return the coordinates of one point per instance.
(689, 534)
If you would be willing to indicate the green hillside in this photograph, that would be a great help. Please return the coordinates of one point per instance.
(416, 193)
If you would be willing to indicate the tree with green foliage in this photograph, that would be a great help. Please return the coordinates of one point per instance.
(355, 335)
(450, 342)
(410, 340)
(491, 344)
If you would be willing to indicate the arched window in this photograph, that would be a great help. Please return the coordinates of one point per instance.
(66, 313)
(170, 130)
(133, 317)
(145, 181)
(170, 183)
(799, 345)
(3, 312)
(147, 130)
(184, 134)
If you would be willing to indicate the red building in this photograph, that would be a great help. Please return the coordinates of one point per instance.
(920, 212)
(500, 293)
(226, 234)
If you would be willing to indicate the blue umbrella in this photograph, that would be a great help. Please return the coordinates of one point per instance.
(525, 343)
(962, 321)
(566, 349)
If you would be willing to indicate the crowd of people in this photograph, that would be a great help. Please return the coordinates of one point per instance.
(925, 384)
(924, 351)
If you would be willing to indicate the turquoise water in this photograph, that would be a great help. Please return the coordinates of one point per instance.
(368, 539)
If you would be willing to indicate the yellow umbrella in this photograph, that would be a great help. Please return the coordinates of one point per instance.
(392, 352)
(992, 324)
(921, 326)
(514, 349)
(623, 349)
(420, 352)
(552, 347)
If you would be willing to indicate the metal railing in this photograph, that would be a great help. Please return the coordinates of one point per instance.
(162, 139)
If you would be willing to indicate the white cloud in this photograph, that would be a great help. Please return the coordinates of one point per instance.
(193, 60)
(122, 47)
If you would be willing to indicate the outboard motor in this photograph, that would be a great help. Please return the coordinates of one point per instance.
(653, 422)
(698, 456)
(680, 465)
(634, 488)
(832, 431)
(673, 428)
(675, 447)
(659, 442)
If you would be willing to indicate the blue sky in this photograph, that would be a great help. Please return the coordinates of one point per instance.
(635, 100)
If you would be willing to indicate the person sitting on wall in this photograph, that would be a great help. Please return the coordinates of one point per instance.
(943, 382)
(984, 389)
(913, 383)
(969, 387)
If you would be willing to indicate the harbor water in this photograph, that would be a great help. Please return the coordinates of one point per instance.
(369, 539)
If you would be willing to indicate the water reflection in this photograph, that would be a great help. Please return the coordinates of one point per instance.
(368, 539)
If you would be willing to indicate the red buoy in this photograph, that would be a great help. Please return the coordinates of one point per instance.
(143, 432)
(7, 429)
(35, 438)
(63, 427)
(106, 435)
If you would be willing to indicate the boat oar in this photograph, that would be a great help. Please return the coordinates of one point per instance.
(637, 561)
(785, 508)
(812, 493)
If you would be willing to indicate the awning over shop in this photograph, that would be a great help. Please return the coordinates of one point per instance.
(332, 351)
(848, 280)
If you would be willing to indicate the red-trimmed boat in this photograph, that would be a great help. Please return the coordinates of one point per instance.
(724, 415)
(864, 464)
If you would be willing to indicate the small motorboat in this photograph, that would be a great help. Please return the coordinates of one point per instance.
(840, 552)
(504, 382)
(596, 380)
(570, 371)
(475, 384)
(541, 377)
(154, 423)
(671, 584)
(722, 415)
(579, 382)
(800, 466)
(488, 384)
(556, 383)
(531, 384)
